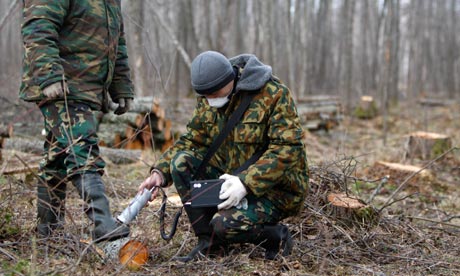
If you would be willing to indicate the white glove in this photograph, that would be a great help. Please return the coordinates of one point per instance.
(232, 190)
(54, 90)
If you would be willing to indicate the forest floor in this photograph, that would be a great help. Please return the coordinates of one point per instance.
(416, 230)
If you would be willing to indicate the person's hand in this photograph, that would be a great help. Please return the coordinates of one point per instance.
(123, 105)
(54, 90)
(155, 179)
(232, 190)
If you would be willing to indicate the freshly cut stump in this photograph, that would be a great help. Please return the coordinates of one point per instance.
(350, 210)
(367, 109)
(427, 145)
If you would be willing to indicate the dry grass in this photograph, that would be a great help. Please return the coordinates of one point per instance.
(417, 234)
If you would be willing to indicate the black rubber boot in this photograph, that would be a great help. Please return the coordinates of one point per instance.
(92, 191)
(272, 237)
(50, 207)
(207, 242)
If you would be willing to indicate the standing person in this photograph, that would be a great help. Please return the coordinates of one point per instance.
(75, 54)
(273, 187)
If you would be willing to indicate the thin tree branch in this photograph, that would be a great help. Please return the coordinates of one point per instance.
(412, 175)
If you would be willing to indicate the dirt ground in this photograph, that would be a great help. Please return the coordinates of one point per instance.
(412, 228)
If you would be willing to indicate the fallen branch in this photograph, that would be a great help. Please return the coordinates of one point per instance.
(435, 221)
(8, 254)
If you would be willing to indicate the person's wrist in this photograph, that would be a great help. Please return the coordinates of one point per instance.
(160, 173)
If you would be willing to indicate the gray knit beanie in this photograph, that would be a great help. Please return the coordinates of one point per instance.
(210, 72)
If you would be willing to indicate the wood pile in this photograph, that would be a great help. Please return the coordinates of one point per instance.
(319, 112)
(144, 127)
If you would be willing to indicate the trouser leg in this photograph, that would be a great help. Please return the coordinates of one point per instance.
(50, 206)
(71, 149)
(182, 169)
(92, 191)
(257, 224)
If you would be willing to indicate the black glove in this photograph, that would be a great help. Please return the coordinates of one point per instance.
(123, 105)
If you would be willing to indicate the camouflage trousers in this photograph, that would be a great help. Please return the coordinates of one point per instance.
(234, 225)
(71, 145)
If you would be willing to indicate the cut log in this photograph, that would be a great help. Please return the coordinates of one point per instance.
(14, 162)
(35, 146)
(146, 137)
(111, 134)
(399, 172)
(367, 109)
(319, 112)
(131, 142)
(129, 118)
(6, 130)
(351, 210)
(143, 104)
(426, 145)
(121, 156)
(432, 102)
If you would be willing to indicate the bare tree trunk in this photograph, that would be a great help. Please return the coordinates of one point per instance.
(376, 44)
(322, 37)
(414, 83)
(137, 60)
(452, 49)
(347, 49)
(394, 40)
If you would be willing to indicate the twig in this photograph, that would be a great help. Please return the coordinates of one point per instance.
(29, 169)
(8, 254)
(411, 176)
(398, 200)
(182, 246)
(435, 221)
(379, 187)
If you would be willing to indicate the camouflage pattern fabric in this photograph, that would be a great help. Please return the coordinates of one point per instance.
(234, 224)
(71, 144)
(281, 173)
(81, 42)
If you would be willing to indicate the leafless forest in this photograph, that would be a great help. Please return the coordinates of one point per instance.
(389, 49)
(402, 53)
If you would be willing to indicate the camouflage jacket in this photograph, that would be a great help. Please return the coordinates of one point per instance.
(79, 40)
(281, 173)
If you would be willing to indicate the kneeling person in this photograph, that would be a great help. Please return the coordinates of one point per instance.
(272, 187)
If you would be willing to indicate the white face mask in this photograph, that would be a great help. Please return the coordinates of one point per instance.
(218, 102)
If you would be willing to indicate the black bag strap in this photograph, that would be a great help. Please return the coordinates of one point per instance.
(252, 159)
(232, 121)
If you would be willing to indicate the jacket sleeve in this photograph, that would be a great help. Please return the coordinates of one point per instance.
(285, 155)
(196, 141)
(40, 30)
(121, 86)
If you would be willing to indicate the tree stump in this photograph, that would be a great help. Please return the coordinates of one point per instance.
(351, 210)
(367, 109)
(400, 172)
(426, 145)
